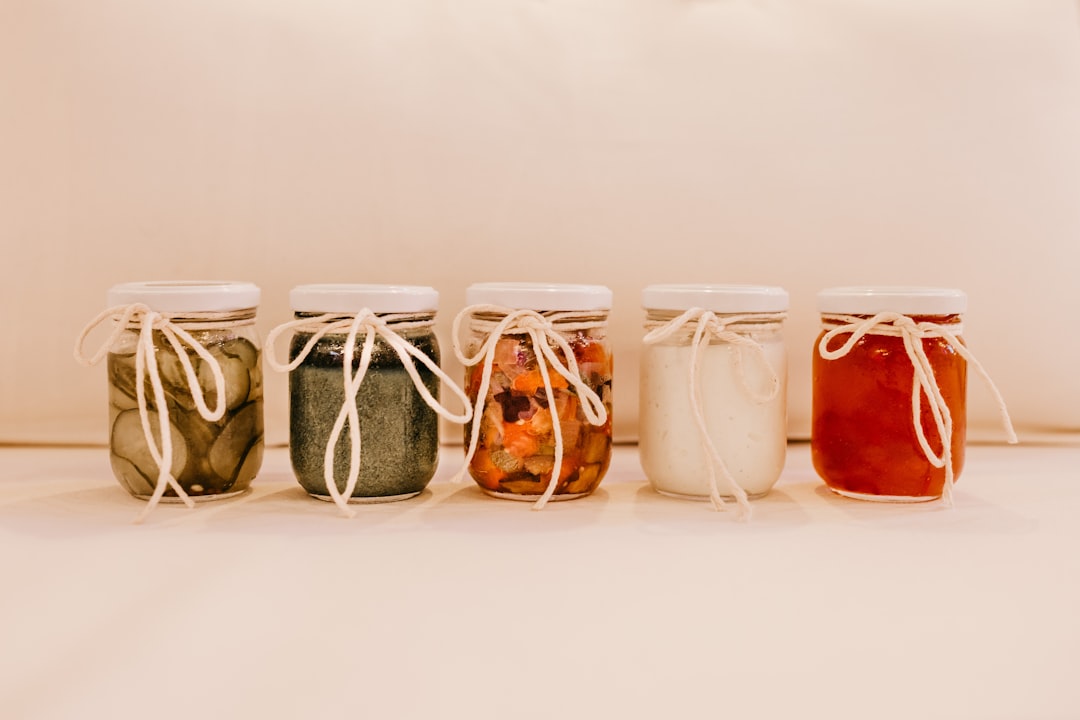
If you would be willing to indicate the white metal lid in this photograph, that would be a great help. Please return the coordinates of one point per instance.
(907, 300)
(539, 296)
(178, 296)
(717, 298)
(352, 298)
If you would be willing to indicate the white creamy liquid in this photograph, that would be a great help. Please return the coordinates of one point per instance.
(751, 437)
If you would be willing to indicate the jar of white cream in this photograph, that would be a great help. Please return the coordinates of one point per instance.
(713, 413)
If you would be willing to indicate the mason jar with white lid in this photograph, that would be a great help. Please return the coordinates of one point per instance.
(364, 385)
(890, 370)
(185, 388)
(538, 372)
(713, 402)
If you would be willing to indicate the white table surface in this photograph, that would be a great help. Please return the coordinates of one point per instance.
(623, 604)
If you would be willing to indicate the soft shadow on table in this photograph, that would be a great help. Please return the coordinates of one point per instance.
(662, 515)
(83, 513)
(969, 515)
(292, 507)
(469, 510)
(275, 505)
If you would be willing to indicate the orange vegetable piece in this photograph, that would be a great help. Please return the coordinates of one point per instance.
(566, 405)
(518, 441)
(528, 383)
(484, 471)
(540, 423)
(570, 463)
(589, 351)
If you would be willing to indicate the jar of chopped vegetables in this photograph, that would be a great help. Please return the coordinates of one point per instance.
(889, 409)
(185, 388)
(538, 371)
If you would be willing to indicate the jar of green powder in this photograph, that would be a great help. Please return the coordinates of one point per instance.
(364, 381)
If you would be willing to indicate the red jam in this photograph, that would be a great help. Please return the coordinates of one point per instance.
(863, 439)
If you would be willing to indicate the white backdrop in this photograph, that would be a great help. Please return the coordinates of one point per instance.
(802, 143)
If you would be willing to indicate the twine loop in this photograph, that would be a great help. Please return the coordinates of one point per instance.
(736, 330)
(138, 316)
(924, 381)
(543, 330)
(372, 326)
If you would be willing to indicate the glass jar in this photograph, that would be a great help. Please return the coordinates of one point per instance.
(192, 349)
(713, 400)
(369, 434)
(538, 372)
(889, 392)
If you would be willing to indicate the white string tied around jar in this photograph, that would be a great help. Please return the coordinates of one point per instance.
(924, 381)
(147, 321)
(372, 326)
(542, 330)
(735, 330)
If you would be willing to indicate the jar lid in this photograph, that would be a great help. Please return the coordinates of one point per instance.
(178, 296)
(717, 298)
(907, 300)
(539, 296)
(352, 298)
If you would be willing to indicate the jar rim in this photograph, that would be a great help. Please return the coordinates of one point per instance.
(904, 299)
(721, 298)
(351, 298)
(179, 296)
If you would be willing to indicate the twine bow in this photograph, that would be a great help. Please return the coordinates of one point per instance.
(543, 331)
(148, 321)
(709, 325)
(923, 379)
(372, 326)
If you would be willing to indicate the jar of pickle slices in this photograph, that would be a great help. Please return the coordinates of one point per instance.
(889, 409)
(185, 388)
(538, 371)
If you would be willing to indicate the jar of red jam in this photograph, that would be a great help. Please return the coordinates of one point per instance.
(889, 392)
(538, 372)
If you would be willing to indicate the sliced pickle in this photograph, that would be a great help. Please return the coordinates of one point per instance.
(252, 462)
(234, 444)
(122, 375)
(173, 378)
(170, 367)
(130, 476)
(237, 358)
(241, 349)
(120, 400)
(237, 381)
(129, 443)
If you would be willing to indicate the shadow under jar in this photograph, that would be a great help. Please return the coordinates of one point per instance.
(398, 429)
(211, 459)
(514, 455)
(864, 441)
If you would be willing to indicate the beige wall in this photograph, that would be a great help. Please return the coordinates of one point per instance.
(802, 143)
